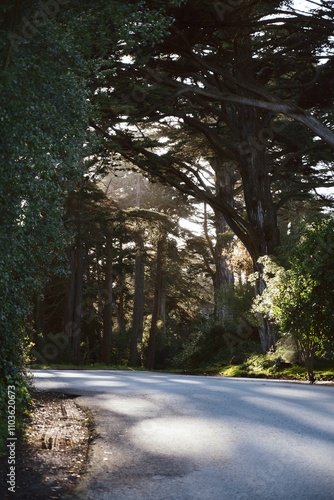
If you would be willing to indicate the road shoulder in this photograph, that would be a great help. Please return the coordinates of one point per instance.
(52, 454)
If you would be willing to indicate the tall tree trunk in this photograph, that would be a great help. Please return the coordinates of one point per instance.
(78, 297)
(74, 289)
(39, 315)
(267, 331)
(70, 295)
(261, 210)
(122, 287)
(223, 278)
(100, 282)
(108, 304)
(74, 295)
(162, 311)
(156, 302)
(138, 306)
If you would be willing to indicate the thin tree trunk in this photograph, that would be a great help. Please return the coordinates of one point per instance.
(108, 305)
(73, 301)
(79, 269)
(99, 280)
(308, 351)
(70, 296)
(120, 315)
(156, 303)
(138, 306)
(39, 315)
(267, 331)
(162, 311)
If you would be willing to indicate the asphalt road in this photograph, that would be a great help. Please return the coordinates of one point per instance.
(175, 437)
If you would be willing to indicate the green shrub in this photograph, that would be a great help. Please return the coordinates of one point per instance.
(210, 342)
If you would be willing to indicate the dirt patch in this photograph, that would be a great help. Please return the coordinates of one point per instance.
(52, 454)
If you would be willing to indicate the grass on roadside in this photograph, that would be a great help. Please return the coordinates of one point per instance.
(255, 366)
(260, 366)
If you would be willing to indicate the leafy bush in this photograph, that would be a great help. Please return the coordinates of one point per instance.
(300, 299)
(210, 342)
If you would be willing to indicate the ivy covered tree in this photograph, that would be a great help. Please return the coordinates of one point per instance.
(43, 125)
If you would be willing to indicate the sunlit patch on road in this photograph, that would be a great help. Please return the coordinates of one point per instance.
(183, 437)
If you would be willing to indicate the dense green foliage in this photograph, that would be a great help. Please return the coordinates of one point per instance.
(43, 124)
(300, 298)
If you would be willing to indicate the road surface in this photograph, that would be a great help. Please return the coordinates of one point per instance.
(176, 437)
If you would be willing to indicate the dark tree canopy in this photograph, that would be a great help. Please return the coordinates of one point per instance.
(238, 86)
